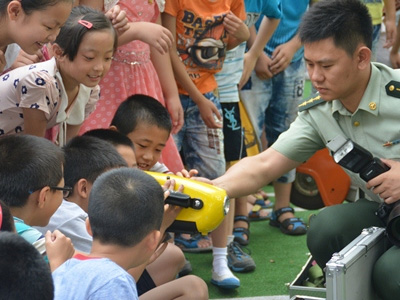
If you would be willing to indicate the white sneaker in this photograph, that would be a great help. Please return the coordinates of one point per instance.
(226, 281)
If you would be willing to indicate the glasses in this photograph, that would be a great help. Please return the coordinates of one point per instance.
(66, 190)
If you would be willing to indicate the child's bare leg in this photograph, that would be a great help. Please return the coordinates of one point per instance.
(219, 235)
(231, 215)
(188, 287)
(282, 200)
(241, 209)
(222, 275)
(167, 265)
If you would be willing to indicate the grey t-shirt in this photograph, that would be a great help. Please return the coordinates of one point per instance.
(70, 220)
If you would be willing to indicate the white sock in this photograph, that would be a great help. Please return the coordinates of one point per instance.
(220, 262)
(230, 239)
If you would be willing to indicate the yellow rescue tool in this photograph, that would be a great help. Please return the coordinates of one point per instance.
(205, 205)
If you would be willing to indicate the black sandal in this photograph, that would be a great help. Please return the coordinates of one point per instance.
(240, 232)
(299, 227)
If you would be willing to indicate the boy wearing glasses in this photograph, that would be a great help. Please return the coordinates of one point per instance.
(32, 185)
(85, 159)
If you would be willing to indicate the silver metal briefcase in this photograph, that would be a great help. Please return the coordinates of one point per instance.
(349, 272)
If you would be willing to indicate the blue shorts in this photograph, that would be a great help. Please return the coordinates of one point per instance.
(202, 148)
(274, 103)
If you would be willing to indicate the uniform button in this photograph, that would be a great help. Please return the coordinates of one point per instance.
(356, 123)
(372, 106)
(391, 88)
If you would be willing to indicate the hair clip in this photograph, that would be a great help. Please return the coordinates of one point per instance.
(85, 23)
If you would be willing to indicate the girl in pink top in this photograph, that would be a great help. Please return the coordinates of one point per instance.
(140, 66)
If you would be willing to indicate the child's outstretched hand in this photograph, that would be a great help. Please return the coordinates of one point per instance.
(170, 211)
(283, 54)
(157, 36)
(175, 110)
(170, 214)
(236, 27)
(187, 174)
(262, 67)
(395, 59)
(192, 174)
(118, 19)
(209, 113)
(170, 185)
(59, 248)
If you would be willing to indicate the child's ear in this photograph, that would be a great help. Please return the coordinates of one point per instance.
(153, 240)
(82, 188)
(57, 51)
(14, 10)
(41, 201)
(113, 127)
(88, 227)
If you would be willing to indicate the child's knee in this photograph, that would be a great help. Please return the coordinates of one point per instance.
(197, 288)
(176, 256)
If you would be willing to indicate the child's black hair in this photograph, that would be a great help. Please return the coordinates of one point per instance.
(72, 33)
(112, 136)
(348, 22)
(125, 205)
(87, 157)
(24, 274)
(32, 5)
(27, 164)
(141, 109)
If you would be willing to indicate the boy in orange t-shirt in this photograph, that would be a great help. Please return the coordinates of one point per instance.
(204, 30)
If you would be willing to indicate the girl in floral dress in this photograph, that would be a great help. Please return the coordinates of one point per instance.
(64, 89)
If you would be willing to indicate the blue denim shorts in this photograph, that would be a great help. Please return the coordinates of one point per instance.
(274, 102)
(202, 148)
(376, 33)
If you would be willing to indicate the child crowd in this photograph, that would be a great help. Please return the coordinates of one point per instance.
(92, 88)
(93, 93)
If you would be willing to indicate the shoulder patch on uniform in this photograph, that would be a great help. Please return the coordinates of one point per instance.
(310, 103)
(393, 88)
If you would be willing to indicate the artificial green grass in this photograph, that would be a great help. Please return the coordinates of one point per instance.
(279, 258)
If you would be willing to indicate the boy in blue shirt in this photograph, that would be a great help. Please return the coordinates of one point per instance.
(274, 91)
(125, 212)
(32, 185)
